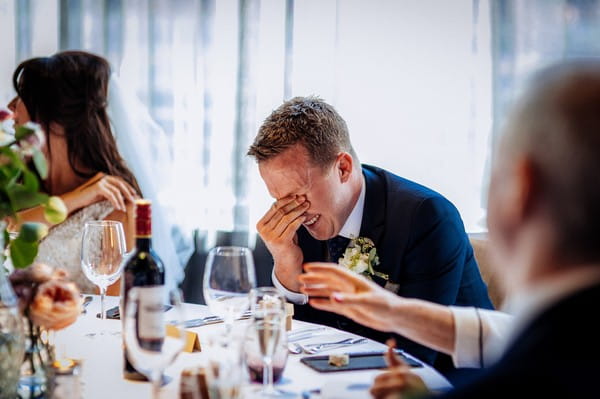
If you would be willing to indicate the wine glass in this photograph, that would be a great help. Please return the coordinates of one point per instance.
(151, 342)
(228, 278)
(102, 252)
(268, 331)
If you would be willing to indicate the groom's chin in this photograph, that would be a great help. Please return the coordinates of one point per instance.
(318, 234)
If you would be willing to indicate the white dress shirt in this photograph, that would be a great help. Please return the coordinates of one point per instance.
(500, 329)
(495, 328)
(350, 229)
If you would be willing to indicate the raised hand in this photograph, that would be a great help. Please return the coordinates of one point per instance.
(104, 187)
(278, 229)
(398, 381)
(335, 289)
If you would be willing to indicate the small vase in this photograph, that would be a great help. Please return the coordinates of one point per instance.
(36, 379)
(12, 339)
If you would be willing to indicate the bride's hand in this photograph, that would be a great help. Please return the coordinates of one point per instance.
(105, 187)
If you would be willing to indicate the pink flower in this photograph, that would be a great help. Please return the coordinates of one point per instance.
(4, 115)
(56, 304)
(46, 295)
(33, 140)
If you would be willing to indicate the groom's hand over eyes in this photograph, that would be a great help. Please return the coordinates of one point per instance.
(278, 229)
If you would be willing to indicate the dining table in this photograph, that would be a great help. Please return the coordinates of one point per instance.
(98, 346)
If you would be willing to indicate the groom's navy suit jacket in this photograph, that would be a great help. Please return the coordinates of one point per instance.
(422, 246)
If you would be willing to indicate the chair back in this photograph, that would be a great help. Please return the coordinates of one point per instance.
(489, 274)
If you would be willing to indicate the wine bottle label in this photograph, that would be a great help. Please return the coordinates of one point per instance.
(151, 321)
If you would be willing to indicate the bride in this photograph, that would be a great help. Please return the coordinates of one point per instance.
(67, 94)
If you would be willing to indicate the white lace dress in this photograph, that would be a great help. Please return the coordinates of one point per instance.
(62, 245)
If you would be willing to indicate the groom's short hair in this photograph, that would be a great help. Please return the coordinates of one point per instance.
(308, 121)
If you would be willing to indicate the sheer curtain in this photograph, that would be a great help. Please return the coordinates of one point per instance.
(422, 84)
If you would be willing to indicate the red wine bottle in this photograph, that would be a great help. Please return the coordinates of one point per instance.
(143, 269)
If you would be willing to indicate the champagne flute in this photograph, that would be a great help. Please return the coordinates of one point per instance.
(228, 278)
(102, 252)
(268, 330)
(151, 344)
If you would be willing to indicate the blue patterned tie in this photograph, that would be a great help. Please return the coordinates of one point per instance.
(337, 246)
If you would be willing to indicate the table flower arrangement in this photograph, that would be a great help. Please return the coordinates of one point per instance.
(46, 298)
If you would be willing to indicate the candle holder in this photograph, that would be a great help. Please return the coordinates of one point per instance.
(67, 378)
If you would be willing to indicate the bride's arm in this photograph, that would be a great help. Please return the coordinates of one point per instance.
(98, 188)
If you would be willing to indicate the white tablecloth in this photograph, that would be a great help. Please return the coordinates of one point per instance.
(102, 357)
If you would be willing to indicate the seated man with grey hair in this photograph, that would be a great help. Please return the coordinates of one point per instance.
(543, 223)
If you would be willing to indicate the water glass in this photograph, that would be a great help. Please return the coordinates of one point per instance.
(228, 278)
(102, 251)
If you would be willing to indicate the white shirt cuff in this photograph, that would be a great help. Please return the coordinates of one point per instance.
(294, 297)
(466, 337)
(495, 326)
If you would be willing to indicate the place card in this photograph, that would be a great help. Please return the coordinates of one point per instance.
(289, 314)
(192, 342)
(67, 382)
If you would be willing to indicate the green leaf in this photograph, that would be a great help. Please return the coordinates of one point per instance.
(22, 198)
(22, 131)
(30, 181)
(39, 160)
(372, 255)
(33, 231)
(22, 253)
(384, 276)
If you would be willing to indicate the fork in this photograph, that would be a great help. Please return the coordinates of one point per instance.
(316, 348)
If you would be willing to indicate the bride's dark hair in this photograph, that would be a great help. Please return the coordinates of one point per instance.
(70, 89)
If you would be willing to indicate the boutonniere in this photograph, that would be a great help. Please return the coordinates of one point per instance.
(361, 257)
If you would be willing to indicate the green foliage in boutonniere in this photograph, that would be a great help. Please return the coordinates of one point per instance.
(361, 257)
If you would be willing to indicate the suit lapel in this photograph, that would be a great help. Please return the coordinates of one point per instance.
(373, 219)
(372, 223)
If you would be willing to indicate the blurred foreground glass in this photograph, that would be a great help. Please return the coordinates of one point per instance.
(228, 278)
(102, 251)
(267, 332)
(152, 345)
(225, 370)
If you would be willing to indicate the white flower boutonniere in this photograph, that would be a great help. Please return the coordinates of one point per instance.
(361, 257)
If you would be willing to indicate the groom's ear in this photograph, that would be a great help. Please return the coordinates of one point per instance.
(345, 166)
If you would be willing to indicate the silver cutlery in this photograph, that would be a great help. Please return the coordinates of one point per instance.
(294, 348)
(306, 330)
(203, 321)
(299, 335)
(86, 301)
(316, 348)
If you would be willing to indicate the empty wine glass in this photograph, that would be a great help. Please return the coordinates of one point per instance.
(228, 278)
(102, 251)
(267, 331)
(151, 342)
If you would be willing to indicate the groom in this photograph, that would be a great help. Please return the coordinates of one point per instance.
(324, 197)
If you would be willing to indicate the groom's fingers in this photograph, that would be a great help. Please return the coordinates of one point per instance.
(282, 220)
(290, 230)
(286, 216)
(276, 207)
